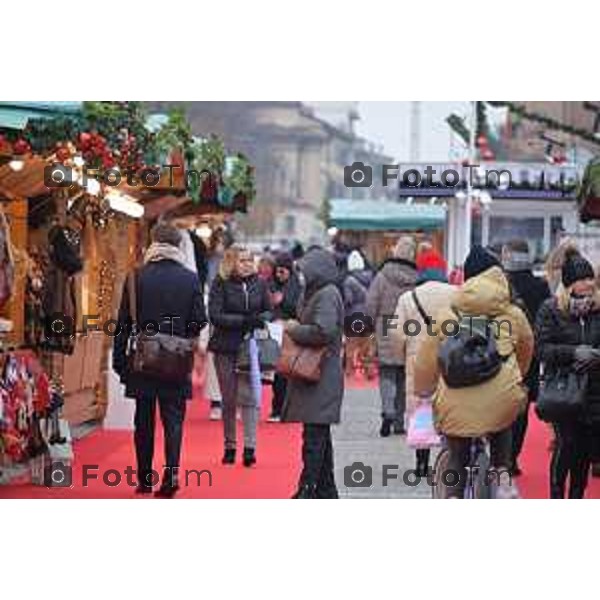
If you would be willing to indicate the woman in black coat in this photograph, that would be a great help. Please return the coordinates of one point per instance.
(318, 405)
(568, 331)
(238, 304)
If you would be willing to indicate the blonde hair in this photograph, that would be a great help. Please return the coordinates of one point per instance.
(231, 257)
(556, 259)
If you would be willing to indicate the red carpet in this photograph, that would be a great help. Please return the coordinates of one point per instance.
(274, 476)
(535, 461)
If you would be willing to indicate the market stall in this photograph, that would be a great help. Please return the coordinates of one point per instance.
(79, 192)
(375, 225)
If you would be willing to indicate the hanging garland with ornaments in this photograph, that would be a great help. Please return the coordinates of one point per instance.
(108, 135)
(487, 146)
(547, 122)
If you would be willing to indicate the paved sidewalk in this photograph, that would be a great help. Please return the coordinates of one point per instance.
(357, 439)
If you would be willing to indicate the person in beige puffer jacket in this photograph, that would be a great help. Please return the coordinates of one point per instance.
(433, 294)
(488, 409)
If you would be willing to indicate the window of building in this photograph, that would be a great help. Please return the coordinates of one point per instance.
(504, 229)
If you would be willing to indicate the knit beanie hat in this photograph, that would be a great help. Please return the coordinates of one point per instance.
(478, 261)
(431, 266)
(355, 261)
(285, 260)
(575, 268)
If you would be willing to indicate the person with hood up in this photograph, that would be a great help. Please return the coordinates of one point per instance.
(433, 294)
(490, 408)
(318, 405)
(396, 276)
(359, 350)
(568, 330)
(531, 291)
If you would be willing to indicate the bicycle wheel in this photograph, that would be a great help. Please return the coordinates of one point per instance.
(438, 489)
(484, 485)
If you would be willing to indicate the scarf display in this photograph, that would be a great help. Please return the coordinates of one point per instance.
(157, 252)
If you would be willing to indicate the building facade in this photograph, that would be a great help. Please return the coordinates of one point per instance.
(299, 159)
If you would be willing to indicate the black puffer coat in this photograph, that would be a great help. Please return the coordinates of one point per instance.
(232, 304)
(532, 291)
(321, 321)
(558, 334)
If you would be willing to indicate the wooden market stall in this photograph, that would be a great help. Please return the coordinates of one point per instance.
(374, 225)
(103, 227)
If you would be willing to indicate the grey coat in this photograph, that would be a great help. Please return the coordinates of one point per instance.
(321, 319)
(395, 277)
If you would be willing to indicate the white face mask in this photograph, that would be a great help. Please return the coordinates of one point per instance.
(580, 305)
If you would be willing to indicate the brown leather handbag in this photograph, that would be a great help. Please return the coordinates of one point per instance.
(300, 362)
(168, 358)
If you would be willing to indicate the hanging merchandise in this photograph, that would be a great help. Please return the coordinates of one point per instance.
(7, 264)
(24, 400)
(65, 249)
(34, 292)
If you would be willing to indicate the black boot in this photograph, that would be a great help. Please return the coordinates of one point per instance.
(144, 485)
(249, 457)
(422, 467)
(386, 427)
(229, 456)
(398, 427)
(170, 483)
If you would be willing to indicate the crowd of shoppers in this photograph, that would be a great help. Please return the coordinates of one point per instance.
(317, 297)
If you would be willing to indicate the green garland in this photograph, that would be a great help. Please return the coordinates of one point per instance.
(548, 122)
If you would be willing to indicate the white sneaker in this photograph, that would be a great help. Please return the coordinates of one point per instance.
(274, 419)
(216, 414)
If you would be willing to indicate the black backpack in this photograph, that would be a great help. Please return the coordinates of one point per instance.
(471, 356)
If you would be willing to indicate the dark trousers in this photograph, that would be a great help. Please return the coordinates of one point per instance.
(519, 428)
(279, 389)
(172, 414)
(317, 458)
(392, 389)
(571, 457)
(459, 450)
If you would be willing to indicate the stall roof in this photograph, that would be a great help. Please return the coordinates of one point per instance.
(16, 115)
(383, 215)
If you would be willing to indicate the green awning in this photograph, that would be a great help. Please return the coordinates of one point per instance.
(16, 115)
(384, 215)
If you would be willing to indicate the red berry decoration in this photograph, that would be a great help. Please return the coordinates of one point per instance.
(481, 141)
(21, 146)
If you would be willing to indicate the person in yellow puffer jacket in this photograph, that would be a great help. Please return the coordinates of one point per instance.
(490, 408)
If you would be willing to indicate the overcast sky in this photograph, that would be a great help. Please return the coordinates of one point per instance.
(388, 123)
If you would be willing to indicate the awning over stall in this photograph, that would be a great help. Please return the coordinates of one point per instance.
(384, 215)
(16, 115)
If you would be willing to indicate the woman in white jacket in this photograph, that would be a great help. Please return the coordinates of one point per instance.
(431, 295)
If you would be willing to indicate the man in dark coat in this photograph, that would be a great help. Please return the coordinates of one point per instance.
(168, 294)
(318, 405)
(530, 292)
